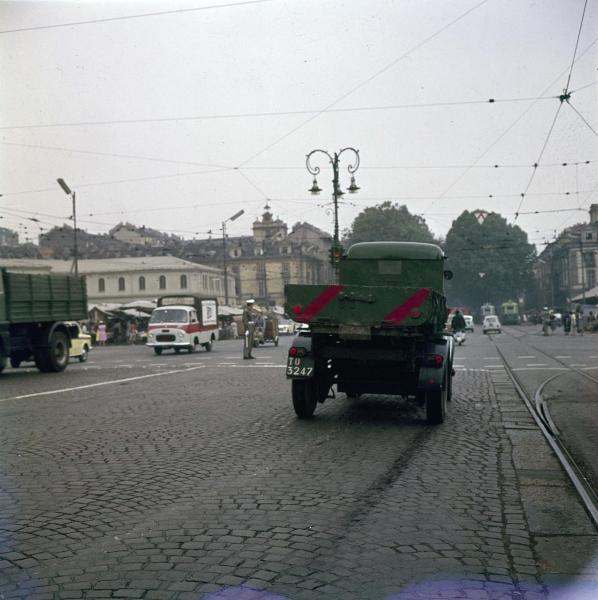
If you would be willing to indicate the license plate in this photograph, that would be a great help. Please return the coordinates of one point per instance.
(300, 367)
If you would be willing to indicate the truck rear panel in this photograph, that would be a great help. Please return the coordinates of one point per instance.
(351, 307)
(44, 298)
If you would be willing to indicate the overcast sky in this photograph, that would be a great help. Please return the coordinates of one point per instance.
(173, 120)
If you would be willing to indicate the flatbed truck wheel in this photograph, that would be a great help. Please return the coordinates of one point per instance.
(436, 402)
(55, 356)
(304, 397)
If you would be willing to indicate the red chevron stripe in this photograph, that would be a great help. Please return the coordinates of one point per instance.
(400, 312)
(318, 303)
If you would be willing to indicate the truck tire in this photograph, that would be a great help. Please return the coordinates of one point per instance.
(436, 405)
(15, 363)
(208, 345)
(55, 357)
(304, 397)
(157, 350)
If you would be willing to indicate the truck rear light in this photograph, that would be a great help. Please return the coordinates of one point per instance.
(293, 351)
(434, 360)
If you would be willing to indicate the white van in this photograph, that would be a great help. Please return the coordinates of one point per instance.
(183, 322)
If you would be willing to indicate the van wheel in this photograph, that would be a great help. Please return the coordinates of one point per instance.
(177, 350)
(209, 345)
(192, 347)
(84, 354)
(157, 351)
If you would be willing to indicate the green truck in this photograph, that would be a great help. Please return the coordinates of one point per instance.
(35, 311)
(380, 330)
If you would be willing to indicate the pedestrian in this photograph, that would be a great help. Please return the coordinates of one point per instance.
(579, 320)
(132, 332)
(249, 325)
(457, 322)
(567, 322)
(234, 330)
(101, 335)
(545, 321)
(591, 326)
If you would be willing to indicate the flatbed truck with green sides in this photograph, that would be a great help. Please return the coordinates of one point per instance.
(380, 330)
(34, 315)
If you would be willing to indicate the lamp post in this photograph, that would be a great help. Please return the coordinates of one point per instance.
(68, 192)
(336, 191)
(233, 218)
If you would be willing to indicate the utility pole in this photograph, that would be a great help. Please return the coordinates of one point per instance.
(224, 257)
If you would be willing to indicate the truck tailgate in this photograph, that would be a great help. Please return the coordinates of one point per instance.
(358, 305)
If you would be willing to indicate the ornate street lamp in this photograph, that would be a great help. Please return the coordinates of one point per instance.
(337, 192)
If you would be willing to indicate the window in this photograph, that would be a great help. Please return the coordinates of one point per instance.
(142, 283)
(121, 284)
(204, 281)
(183, 282)
(217, 284)
(162, 282)
(101, 285)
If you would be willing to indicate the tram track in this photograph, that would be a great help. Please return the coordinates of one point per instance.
(539, 412)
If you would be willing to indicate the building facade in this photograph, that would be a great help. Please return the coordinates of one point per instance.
(8, 237)
(567, 267)
(122, 280)
(263, 263)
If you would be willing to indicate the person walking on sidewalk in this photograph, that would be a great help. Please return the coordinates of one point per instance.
(249, 325)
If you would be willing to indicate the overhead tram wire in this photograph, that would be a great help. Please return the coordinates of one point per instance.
(535, 166)
(114, 155)
(566, 163)
(362, 83)
(582, 118)
(565, 96)
(502, 135)
(137, 16)
(282, 113)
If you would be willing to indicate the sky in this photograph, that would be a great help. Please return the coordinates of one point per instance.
(177, 114)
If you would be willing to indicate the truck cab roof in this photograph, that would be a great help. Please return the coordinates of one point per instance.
(395, 250)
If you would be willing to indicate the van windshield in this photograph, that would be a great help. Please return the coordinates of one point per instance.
(170, 315)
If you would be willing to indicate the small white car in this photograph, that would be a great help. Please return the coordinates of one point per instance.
(80, 345)
(468, 323)
(491, 323)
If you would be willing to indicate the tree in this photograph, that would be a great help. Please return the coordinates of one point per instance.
(490, 259)
(388, 221)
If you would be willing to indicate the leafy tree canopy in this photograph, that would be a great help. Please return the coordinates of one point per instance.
(491, 260)
(388, 222)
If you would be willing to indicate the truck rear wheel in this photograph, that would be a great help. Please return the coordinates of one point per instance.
(304, 397)
(55, 357)
(436, 405)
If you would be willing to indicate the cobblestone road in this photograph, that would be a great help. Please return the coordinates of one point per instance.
(201, 483)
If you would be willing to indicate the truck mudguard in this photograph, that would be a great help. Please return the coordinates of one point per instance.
(432, 378)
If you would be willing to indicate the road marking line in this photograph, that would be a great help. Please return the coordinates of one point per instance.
(590, 368)
(100, 383)
(526, 356)
(540, 369)
(578, 365)
(565, 357)
(593, 356)
(537, 365)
